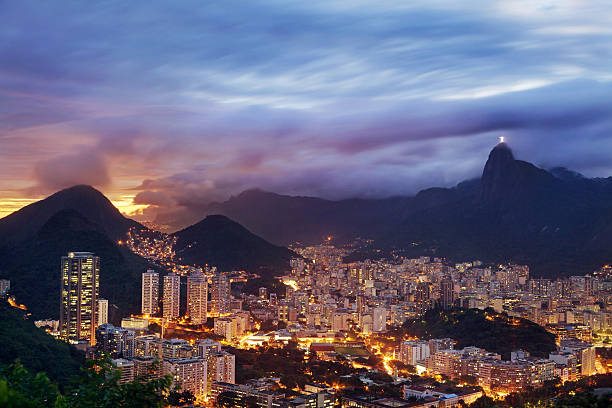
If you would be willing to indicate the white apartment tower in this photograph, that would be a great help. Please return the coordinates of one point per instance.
(220, 367)
(150, 292)
(197, 298)
(172, 296)
(379, 319)
(188, 373)
(102, 312)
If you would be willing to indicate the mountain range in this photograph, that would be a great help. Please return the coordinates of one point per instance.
(80, 218)
(556, 221)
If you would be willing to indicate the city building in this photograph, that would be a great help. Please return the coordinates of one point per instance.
(189, 374)
(102, 311)
(447, 293)
(220, 294)
(322, 399)
(585, 356)
(126, 368)
(226, 327)
(135, 323)
(203, 347)
(379, 319)
(150, 293)
(146, 368)
(80, 286)
(379, 401)
(172, 296)
(414, 351)
(197, 298)
(241, 393)
(221, 367)
(117, 342)
(148, 346)
(176, 348)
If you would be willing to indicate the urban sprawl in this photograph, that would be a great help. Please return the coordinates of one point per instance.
(337, 312)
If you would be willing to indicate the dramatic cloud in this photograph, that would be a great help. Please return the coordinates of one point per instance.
(68, 170)
(181, 104)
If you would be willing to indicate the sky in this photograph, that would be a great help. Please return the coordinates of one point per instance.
(167, 106)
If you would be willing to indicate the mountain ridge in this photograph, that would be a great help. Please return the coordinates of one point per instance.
(558, 222)
(31, 260)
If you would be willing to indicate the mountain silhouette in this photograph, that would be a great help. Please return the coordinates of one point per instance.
(86, 200)
(558, 222)
(33, 240)
(219, 241)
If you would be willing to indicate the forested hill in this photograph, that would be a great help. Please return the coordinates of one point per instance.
(35, 349)
(496, 332)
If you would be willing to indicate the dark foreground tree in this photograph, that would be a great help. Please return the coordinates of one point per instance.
(97, 386)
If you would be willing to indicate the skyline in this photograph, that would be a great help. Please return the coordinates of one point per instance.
(177, 106)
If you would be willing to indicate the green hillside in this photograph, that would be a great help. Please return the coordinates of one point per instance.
(37, 350)
(485, 329)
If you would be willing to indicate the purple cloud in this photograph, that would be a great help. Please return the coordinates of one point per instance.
(183, 104)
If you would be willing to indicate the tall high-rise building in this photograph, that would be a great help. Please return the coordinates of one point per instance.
(150, 292)
(379, 319)
(447, 294)
(102, 312)
(172, 296)
(220, 294)
(421, 296)
(176, 348)
(79, 296)
(197, 298)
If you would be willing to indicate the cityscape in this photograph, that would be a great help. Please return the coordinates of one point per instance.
(352, 314)
(329, 204)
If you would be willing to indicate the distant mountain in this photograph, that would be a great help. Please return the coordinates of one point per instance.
(283, 219)
(558, 222)
(520, 213)
(86, 200)
(33, 240)
(33, 266)
(219, 241)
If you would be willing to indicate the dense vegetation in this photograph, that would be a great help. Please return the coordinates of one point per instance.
(97, 386)
(289, 364)
(486, 329)
(34, 266)
(35, 349)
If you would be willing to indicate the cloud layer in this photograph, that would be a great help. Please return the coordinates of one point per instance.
(180, 104)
